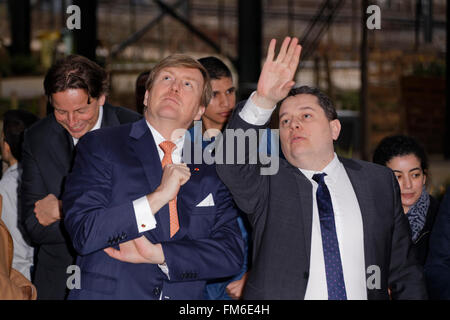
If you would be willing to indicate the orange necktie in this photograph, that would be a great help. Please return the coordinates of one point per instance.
(167, 147)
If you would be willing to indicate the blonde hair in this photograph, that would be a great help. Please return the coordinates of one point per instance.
(182, 60)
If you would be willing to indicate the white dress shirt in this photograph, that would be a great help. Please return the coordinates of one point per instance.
(348, 220)
(23, 253)
(349, 231)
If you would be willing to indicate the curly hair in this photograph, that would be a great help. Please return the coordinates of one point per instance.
(399, 145)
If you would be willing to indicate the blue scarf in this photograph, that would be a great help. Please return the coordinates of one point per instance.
(418, 213)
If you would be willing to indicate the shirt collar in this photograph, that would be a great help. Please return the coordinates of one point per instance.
(159, 138)
(332, 170)
(12, 168)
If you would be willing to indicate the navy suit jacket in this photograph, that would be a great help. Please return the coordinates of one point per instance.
(116, 166)
(437, 267)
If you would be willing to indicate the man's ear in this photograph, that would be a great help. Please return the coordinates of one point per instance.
(146, 98)
(200, 112)
(101, 100)
(6, 150)
(335, 128)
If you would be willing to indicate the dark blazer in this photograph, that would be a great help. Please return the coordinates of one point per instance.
(422, 242)
(120, 165)
(47, 159)
(280, 208)
(437, 267)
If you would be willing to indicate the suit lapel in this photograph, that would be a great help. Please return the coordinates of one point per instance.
(143, 146)
(304, 203)
(61, 148)
(358, 179)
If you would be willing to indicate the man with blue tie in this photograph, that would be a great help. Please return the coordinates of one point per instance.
(330, 228)
(147, 221)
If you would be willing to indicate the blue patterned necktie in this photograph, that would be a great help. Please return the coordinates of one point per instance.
(331, 254)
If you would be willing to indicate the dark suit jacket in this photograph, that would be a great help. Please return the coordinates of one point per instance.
(280, 209)
(47, 159)
(120, 165)
(437, 267)
(422, 242)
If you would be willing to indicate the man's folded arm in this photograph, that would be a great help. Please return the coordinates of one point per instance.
(89, 220)
(33, 189)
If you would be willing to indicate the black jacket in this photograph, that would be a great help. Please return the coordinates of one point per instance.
(422, 242)
(280, 207)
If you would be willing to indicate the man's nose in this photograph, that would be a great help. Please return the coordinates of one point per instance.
(71, 119)
(223, 101)
(295, 124)
(175, 85)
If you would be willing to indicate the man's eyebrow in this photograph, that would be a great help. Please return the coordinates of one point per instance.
(300, 108)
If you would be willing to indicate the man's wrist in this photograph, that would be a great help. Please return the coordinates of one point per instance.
(262, 101)
(156, 200)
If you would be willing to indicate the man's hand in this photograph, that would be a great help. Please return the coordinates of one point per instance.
(139, 250)
(48, 210)
(234, 289)
(174, 176)
(276, 78)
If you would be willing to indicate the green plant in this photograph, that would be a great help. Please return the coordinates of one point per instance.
(24, 65)
(347, 100)
(434, 68)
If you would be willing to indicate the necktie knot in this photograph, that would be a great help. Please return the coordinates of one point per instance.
(167, 146)
(319, 177)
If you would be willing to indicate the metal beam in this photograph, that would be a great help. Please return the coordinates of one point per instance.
(188, 25)
(85, 39)
(363, 112)
(447, 107)
(250, 39)
(140, 33)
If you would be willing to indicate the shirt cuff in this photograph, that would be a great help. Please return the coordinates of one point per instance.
(144, 216)
(165, 269)
(255, 115)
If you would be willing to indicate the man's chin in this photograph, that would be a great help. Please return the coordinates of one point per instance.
(77, 134)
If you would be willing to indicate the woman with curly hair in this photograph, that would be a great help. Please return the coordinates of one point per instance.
(408, 160)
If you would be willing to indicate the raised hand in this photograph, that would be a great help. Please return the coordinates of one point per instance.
(276, 78)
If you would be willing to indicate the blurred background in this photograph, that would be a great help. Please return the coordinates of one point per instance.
(383, 81)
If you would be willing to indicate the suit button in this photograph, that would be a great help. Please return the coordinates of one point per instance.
(157, 291)
(306, 275)
(123, 236)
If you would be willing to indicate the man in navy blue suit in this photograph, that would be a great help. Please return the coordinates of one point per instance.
(147, 220)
